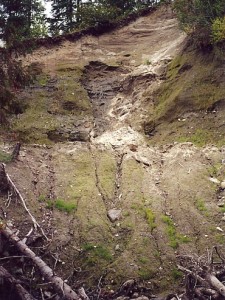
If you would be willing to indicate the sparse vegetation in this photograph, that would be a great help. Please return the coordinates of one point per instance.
(176, 274)
(220, 238)
(42, 198)
(97, 252)
(150, 217)
(171, 231)
(147, 62)
(146, 274)
(143, 260)
(200, 205)
(5, 157)
(174, 237)
(61, 205)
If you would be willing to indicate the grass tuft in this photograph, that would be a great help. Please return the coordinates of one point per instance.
(176, 274)
(61, 205)
(65, 206)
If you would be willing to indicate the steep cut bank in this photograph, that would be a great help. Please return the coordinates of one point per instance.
(113, 206)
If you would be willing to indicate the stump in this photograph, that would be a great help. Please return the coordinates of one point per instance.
(4, 184)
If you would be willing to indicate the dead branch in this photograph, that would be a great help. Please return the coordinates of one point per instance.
(16, 191)
(24, 295)
(202, 275)
(60, 286)
(198, 278)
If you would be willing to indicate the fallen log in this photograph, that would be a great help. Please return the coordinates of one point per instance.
(59, 285)
(21, 291)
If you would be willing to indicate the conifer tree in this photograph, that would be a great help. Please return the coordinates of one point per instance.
(18, 18)
(64, 15)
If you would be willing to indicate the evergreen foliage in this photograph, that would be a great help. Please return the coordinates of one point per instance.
(68, 15)
(202, 19)
(19, 19)
(12, 78)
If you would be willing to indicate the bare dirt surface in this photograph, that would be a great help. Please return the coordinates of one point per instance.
(112, 206)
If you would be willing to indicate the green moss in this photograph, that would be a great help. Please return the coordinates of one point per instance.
(61, 205)
(48, 108)
(97, 252)
(200, 137)
(65, 206)
(183, 239)
(174, 237)
(220, 238)
(200, 204)
(188, 88)
(147, 62)
(5, 157)
(215, 169)
(143, 260)
(150, 217)
(42, 198)
(106, 169)
(176, 274)
(42, 79)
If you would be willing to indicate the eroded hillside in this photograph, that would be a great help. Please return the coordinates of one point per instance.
(114, 203)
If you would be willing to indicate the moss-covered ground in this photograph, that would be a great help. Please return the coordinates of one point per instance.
(189, 105)
(55, 104)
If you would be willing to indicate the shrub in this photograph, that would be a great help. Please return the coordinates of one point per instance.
(200, 18)
(218, 30)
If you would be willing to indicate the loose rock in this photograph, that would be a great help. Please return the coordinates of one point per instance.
(114, 214)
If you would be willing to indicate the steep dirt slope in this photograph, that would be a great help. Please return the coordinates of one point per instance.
(113, 206)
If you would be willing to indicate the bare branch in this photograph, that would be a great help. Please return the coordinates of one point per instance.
(60, 286)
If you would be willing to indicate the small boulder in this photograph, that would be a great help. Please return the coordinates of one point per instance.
(214, 180)
(222, 184)
(114, 214)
